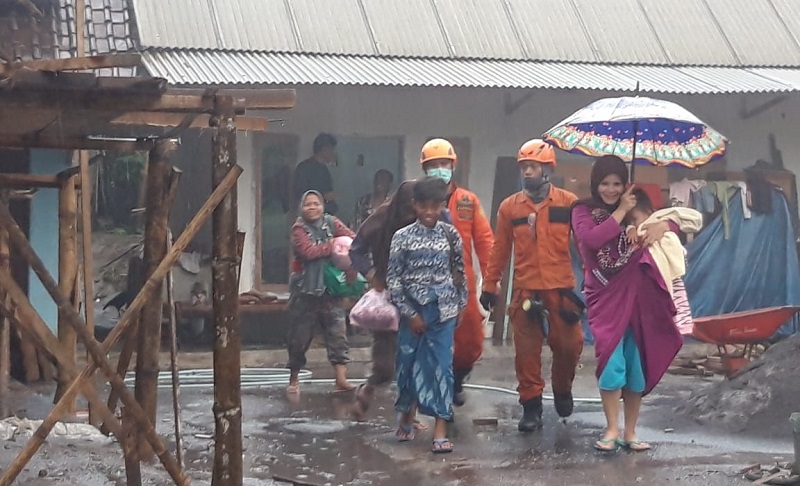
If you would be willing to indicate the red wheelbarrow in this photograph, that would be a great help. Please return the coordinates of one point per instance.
(747, 328)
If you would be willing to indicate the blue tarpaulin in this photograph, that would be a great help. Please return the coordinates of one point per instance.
(755, 268)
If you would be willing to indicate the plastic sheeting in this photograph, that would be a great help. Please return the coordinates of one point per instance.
(757, 267)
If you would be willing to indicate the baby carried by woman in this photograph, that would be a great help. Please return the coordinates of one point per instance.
(668, 253)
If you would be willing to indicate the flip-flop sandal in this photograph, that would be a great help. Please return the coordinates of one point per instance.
(442, 446)
(607, 445)
(405, 431)
(635, 445)
(419, 425)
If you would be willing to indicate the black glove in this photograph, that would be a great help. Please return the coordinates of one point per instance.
(488, 300)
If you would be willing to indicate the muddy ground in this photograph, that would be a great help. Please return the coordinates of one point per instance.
(313, 439)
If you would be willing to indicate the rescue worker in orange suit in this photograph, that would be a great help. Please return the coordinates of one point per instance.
(535, 223)
(438, 159)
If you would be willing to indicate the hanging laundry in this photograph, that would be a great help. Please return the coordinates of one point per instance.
(704, 200)
(745, 199)
(723, 191)
(680, 193)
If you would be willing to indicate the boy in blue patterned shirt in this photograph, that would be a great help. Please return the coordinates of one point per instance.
(426, 282)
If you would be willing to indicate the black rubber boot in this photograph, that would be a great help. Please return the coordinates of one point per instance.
(459, 396)
(531, 416)
(564, 404)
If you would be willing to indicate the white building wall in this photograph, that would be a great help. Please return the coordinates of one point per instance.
(418, 113)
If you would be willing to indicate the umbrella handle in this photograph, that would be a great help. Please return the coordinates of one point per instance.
(633, 151)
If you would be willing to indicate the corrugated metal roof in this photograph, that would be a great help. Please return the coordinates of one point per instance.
(194, 67)
(176, 23)
(756, 32)
(696, 39)
(479, 29)
(255, 25)
(621, 31)
(407, 28)
(332, 27)
(551, 30)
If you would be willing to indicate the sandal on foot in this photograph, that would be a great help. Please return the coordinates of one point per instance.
(607, 445)
(442, 446)
(635, 445)
(405, 431)
(419, 425)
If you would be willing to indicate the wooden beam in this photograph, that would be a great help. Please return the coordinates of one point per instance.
(5, 324)
(75, 63)
(155, 249)
(99, 358)
(113, 100)
(227, 408)
(29, 181)
(67, 277)
(163, 119)
(118, 145)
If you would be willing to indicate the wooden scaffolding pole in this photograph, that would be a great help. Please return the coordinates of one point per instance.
(67, 275)
(227, 345)
(155, 248)
(129, 344)
(97, 352)
(5, 324)
(13, 470)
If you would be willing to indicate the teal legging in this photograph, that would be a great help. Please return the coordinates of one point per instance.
(624, 367)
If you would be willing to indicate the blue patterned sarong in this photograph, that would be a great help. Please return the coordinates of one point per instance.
(425, 365)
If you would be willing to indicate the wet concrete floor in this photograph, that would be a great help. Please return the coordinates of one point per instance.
(313, 439)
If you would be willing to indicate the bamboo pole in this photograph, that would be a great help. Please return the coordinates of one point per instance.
(173, 358)
(13, 470)
(155, 248)
(97, 353)
(67, 273)
(5, 324)
(25, 317)
(227, 345)
(135, 283)
(86, 199)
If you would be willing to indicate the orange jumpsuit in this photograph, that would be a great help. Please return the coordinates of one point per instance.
(542, 267)
(474, 228)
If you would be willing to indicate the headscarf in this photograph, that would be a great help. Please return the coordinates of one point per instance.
(379, 228)
(312, 280)
(603, 167)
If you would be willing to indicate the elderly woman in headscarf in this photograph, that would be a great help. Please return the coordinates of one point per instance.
(310, 304)
(630, 309)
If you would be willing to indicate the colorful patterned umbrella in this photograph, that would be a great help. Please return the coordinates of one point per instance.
(666, 133)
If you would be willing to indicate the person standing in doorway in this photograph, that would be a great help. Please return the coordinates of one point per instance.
(535, 223)
(425, 279)
(381, 188)
(438, 159)
(313, 174)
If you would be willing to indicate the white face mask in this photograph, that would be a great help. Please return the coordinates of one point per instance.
(442, 173)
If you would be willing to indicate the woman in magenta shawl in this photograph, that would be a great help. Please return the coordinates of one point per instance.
(630, 309)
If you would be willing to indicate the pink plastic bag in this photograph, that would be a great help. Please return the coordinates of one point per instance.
(340, 256)
(374, 312)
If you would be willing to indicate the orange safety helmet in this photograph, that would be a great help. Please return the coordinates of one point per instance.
(537, 151)
(438, 148)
